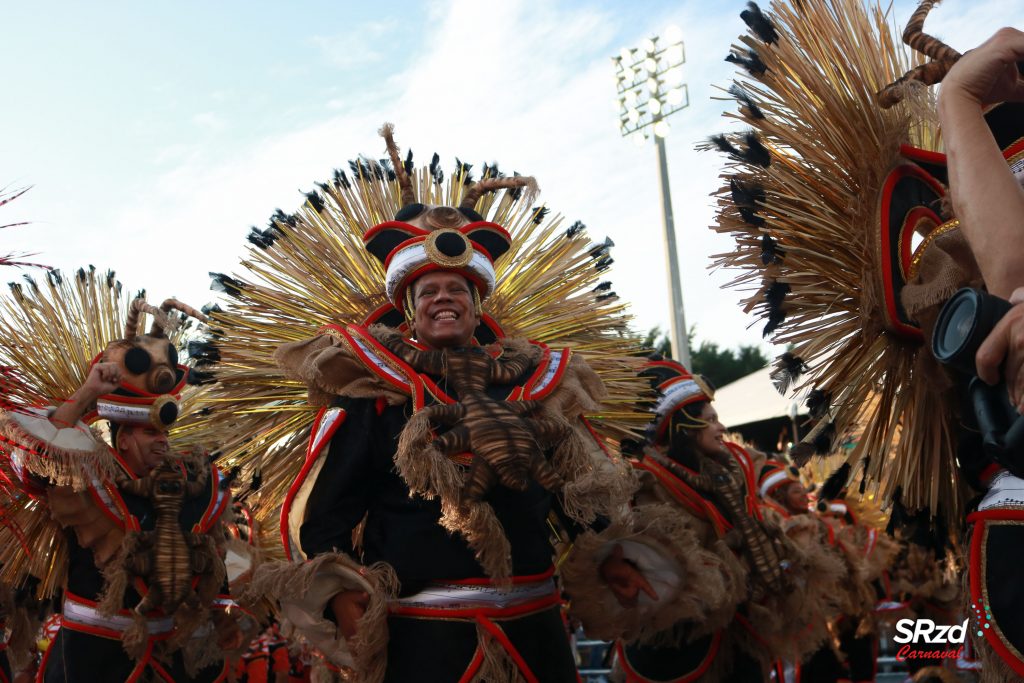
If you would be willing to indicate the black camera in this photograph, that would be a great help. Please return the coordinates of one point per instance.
(963, 324)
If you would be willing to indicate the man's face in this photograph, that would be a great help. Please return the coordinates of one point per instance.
(445, 316)
(142, 447)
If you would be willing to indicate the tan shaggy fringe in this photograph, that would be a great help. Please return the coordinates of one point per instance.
(497, 665)
(429, 473)
(795, 622)
(368, 648)
(708, 593)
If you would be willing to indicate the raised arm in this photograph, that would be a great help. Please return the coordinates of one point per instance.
(987, 198)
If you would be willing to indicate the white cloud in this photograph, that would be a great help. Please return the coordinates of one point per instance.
(363, 44)
(210, 121)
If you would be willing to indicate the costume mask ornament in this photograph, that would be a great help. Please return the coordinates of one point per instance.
(151, 378)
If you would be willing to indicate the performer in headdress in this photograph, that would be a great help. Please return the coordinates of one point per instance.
(444, 444)
(732, 593)
(826, 196)
(129, 531)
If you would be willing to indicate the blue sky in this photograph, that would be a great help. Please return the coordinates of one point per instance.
(155, 134)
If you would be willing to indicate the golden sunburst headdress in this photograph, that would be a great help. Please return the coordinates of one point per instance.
(831, 207)
(339, 260)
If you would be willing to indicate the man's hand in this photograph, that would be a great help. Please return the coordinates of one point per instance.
(103, 378)
(988, 73)
(348, 607)
(624, 580)
(1002, 352)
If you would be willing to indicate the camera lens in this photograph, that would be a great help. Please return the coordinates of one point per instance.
(963, 323)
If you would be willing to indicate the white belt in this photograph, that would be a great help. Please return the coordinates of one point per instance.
(460, 595)
(85, 615)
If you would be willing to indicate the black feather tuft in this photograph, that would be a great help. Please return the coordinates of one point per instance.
(749, 107)
(408, 165)
(280, 216)
(257, 480)
(771, 252)
(341, 179)
(775, 318)
(359, 171)
(602, 249)
(835, 483)
(603, 287)
(775, 295)
(210, 308)
(823, 441)
(747, 197)
(203, 351)
(610, 296)
(389, 170)
(899, 517)
(604, 263)
(463, 171)
(818, 403)
(788, 369)
(749, 60)
(756, 152)
(226, 284)
(759, 23)
(200, 377)
(575, 229)
(315, 200)
(516, 192)
(264, 239)
(539, 213)
(435, 169)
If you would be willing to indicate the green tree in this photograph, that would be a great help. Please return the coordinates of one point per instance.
(721, 366)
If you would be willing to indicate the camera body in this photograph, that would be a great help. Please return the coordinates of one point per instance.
(963, 324)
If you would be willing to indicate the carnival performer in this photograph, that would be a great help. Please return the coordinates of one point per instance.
(138, 558)
(446, 449)
(743, 594)
(861, 317)
(783, 490)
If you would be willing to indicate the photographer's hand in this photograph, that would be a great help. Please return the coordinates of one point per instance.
(986, 197)
(988, 73)
(1002, 352)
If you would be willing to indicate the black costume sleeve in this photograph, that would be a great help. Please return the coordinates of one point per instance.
(343, 489)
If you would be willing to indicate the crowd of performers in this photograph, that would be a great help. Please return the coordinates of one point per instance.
(417, 441)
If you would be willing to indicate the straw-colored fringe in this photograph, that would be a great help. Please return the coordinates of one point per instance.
(707, 595)
(497, 665)
(794, 622)
(369, 647)
(60, 467)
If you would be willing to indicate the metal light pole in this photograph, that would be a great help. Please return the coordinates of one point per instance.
(650, 89)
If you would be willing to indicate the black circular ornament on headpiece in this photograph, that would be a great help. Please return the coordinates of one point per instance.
(448, 248)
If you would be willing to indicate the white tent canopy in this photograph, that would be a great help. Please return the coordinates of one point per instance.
(754, 398)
